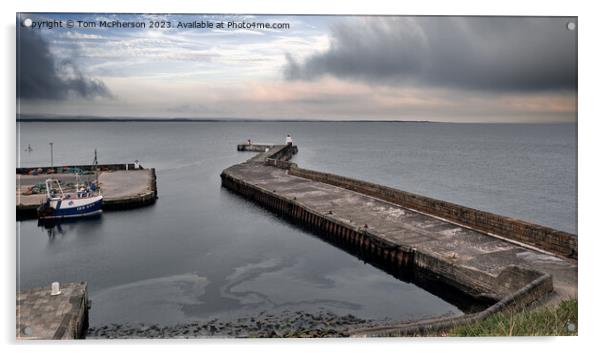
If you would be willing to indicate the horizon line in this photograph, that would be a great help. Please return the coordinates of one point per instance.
(42, 118)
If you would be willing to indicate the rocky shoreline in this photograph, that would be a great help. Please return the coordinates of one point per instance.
(264, 325)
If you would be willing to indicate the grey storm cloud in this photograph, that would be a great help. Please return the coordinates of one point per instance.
(41, 76)
(473, 53)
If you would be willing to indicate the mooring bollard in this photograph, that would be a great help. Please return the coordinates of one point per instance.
(55, 288)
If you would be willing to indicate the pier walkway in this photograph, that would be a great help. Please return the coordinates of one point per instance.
(478, 263)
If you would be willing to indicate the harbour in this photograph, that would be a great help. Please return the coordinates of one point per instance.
(303, 175)
(278, 247)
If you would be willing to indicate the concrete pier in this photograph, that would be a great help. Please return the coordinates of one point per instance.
(483, 255)
(255, 147)
(122, 186)
(41, 315)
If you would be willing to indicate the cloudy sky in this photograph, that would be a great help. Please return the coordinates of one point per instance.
(460, 69)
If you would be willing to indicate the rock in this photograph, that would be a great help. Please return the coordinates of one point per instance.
(282, 324)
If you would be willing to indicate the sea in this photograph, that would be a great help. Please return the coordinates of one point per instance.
(202, 252)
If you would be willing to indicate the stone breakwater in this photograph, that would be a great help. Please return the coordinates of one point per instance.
(485, 256)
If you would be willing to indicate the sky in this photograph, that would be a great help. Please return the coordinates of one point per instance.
(453, 69)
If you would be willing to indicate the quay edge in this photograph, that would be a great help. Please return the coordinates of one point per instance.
(266, 179)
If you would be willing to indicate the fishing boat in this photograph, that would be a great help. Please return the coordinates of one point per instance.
(86, 201)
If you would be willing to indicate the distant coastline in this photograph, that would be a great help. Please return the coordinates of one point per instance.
(253, 120)
(52, 119)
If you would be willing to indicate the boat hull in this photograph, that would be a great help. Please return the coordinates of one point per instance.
(71, 208)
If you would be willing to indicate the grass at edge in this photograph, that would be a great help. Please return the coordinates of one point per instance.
(559, 320)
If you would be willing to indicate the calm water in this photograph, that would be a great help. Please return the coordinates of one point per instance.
(203, 252)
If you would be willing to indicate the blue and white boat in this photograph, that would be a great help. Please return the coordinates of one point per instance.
(85, 202)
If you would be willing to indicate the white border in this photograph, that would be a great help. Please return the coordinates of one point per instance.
(589, 167)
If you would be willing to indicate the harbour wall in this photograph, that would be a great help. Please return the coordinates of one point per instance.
(82, 167)
(275, 153)
(477, 284)
(255, 147)
(472, 282)
(513, 287)
(555, 241)
(552, 240)
(134, 201)
(529, 293)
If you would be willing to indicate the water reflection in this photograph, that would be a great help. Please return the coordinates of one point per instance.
(61, 227)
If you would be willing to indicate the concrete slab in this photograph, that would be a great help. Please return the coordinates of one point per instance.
(44, 316)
